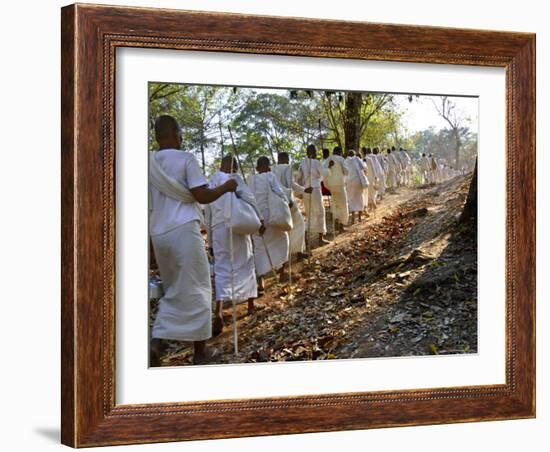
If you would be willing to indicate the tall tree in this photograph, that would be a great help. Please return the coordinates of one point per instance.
(469, 212)
(352, 120)
(446, 108)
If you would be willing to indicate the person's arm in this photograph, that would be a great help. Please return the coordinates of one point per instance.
(205, 195)
(194, 179)
(297, 187)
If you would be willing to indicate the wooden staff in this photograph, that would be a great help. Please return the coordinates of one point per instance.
(235, 333)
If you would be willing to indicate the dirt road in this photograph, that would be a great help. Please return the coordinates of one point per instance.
(402, 282)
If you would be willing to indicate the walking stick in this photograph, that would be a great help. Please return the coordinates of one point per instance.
(235, 332)
(309, 216)
(289, 250)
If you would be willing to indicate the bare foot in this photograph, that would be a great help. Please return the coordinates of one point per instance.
(217, 325)
(156, 351)
(204, 356)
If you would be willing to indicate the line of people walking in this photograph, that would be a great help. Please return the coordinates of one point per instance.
(255, 227)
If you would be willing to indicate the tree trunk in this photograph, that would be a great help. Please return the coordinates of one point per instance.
(352, 120)
(469, 212)
(457, 150)
(202, 149)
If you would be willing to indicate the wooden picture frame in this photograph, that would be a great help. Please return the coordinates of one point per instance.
(90, 36)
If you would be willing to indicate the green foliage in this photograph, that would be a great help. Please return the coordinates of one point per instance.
(253, 122)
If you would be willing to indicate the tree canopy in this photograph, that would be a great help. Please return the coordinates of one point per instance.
(254, 122)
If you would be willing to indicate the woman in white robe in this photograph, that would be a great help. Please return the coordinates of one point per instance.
(335, 181)
(234, 275)
(271, 248)
(310, 174)
(392, 173)
(297, 236)
(373, 180)
(355, 185)
(381, 164)
(407, 165)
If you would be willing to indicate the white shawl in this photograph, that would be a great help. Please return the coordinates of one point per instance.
(166, 184)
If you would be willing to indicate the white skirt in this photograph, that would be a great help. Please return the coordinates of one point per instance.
(185, 310)
(277, 243)
(339, 203)
(244, 275)
(356, 198)
(297, 233)
(372, 195)
(317, 223)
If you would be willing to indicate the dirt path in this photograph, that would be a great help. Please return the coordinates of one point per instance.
(354, 297)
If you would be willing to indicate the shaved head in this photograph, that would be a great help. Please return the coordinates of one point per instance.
(282, 157)
(167, 132)
(311, 151)
(263, 164)
(229, 164)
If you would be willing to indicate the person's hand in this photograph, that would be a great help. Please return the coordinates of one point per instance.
(331, 164)
(291, 204)
(230, 186)
(262, 228)
(308, 190)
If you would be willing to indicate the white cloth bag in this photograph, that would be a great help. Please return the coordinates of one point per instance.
(240, 216)
(358, 166)
(279, 212)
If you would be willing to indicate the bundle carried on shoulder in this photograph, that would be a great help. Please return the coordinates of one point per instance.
(240, 215)
(357, 164)
(280, 216)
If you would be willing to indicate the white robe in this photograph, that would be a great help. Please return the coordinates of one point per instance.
(425, 171)
(379, 159)
(241, 264)
(392, 173)
(355, 190)
(271, 249)
(185, 310)
(407, 167)
(310, 174)
(335, 181)
(373, 178)
(297, 235)
(400, 178)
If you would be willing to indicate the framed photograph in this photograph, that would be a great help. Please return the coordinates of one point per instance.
(280, 225)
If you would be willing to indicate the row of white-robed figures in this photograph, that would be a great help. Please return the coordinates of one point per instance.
(250, 227)
(253, 226)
